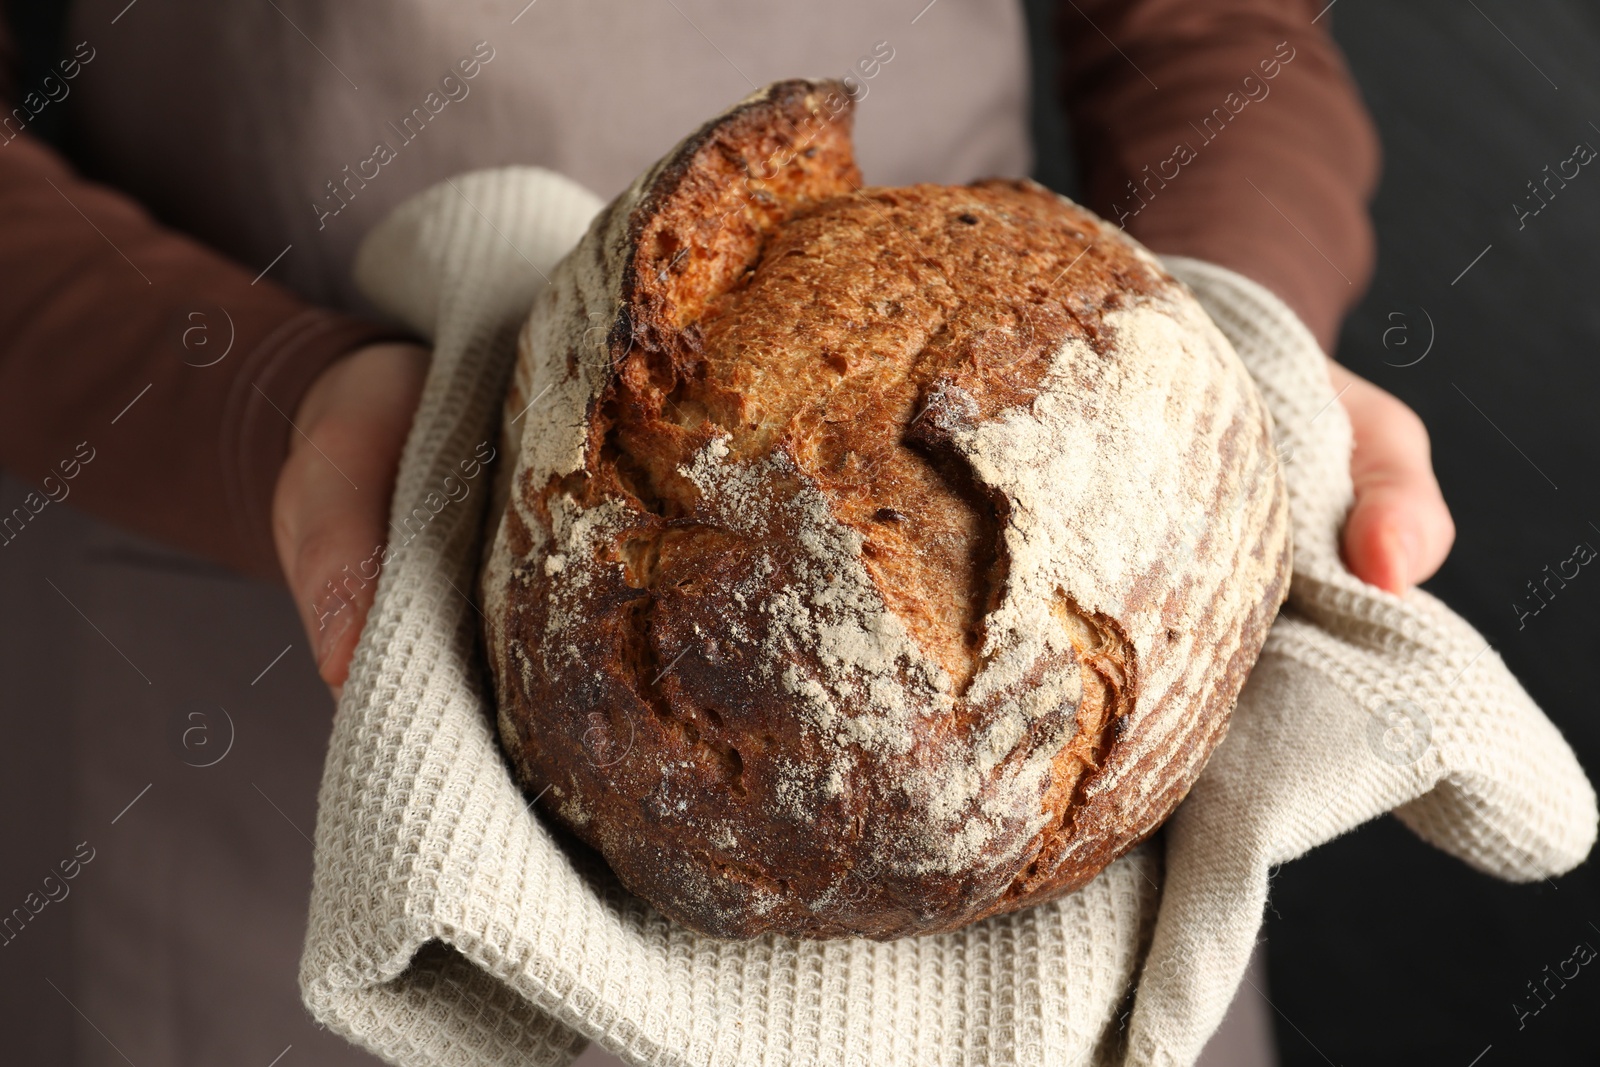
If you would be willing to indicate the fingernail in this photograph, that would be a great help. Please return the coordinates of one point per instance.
(1403, 550)
(329, 634)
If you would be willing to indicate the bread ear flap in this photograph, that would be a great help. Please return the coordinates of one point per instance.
(706, 210)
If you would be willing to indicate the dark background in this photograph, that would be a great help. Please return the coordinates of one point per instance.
(1380, 949)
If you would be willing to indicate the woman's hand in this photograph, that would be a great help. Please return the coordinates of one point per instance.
(1399, 531)
(330, 511)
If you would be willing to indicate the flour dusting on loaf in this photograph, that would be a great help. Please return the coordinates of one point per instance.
(868, 561)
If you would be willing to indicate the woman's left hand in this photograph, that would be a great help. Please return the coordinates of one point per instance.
(1399, 531)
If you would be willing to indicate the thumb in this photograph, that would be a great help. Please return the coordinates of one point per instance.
(1399, 530)
(1386, 540)
(332, 554)
(331, 505)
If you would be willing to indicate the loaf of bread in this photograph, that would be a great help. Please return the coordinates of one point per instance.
(868, 561)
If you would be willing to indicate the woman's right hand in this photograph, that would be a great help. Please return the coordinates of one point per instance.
(330, 511)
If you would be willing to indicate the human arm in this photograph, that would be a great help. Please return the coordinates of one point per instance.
(1230, 131)
(109, 324)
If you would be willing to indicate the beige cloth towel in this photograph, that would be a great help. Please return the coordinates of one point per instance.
(450, 926)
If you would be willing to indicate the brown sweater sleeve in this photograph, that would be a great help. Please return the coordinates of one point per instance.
(1228, 130)
(114, 389)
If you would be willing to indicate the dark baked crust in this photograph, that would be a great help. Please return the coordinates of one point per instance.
(790, 400)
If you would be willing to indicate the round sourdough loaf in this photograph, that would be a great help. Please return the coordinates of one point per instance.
(868, 561)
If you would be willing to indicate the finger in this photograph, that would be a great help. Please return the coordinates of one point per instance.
(1400, 530)
(333, 551)
(332, 503)
(1396, 537)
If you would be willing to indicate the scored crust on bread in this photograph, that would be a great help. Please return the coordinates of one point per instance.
(868, 561)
